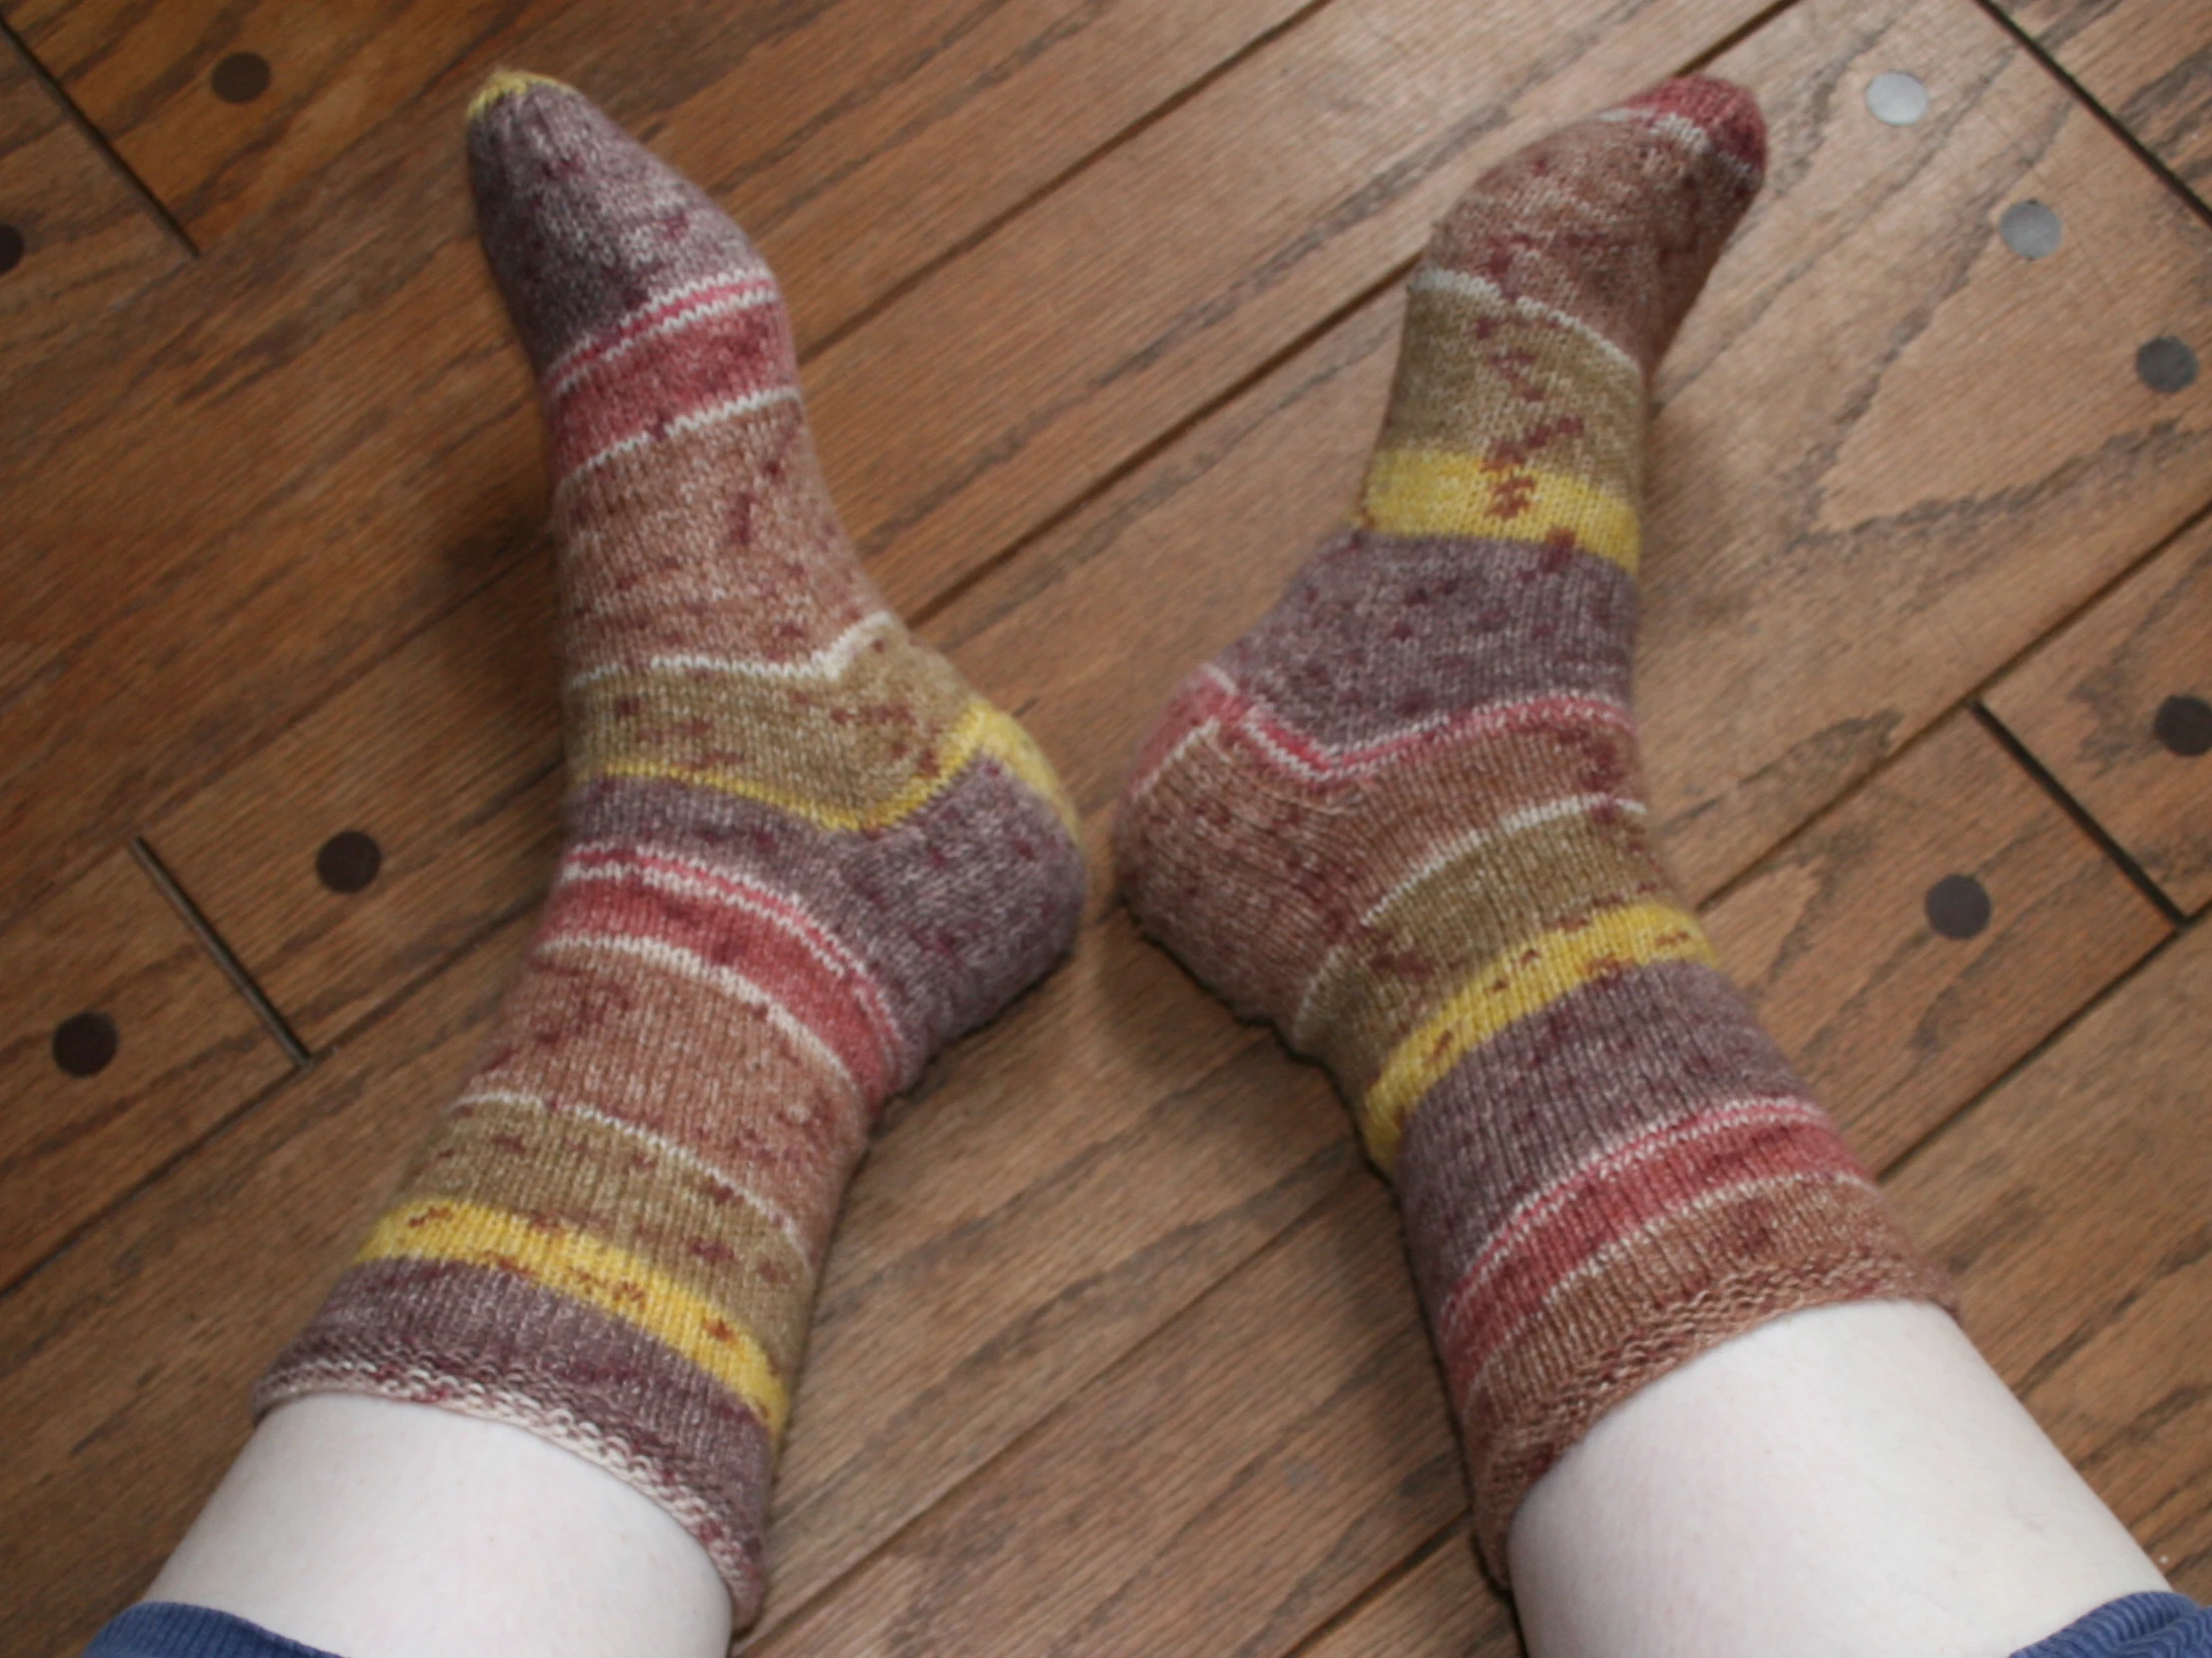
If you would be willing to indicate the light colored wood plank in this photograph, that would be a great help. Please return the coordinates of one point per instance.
(1894, 1023)
(2087, 704)
(330, 440)
(2150, 62)
(79, 242)
(188, 1052)
(2073, 1205)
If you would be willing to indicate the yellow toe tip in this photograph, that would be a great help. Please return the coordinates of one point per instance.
(503, 84)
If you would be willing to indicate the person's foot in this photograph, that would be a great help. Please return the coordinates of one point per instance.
(1402, 819)
(803, 856)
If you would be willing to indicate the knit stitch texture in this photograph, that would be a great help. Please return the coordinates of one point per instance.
(803, 854)
(1402, 819)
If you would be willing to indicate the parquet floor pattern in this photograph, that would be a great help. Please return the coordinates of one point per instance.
(1097, 300)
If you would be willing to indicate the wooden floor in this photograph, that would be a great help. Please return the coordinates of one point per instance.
(1118, 1353)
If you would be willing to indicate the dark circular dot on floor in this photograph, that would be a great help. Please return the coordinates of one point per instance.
(2183, 724)
(84, 1043)
(2031, 229)
(240, 77)
(348, 861)
(2166, 364)
(11, 248)
(1957, 907)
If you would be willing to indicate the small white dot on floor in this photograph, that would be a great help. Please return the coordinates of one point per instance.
(1897, 98)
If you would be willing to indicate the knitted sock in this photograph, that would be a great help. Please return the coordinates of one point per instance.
(1402, 819)
(802, 856)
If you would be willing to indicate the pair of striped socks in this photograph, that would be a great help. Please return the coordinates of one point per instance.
(1401, 820)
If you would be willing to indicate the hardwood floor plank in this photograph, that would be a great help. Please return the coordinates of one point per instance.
(1910, 466)
(325, 438)
(2150, 62)
(1897, 1022)
(124, 1043)
(2115, 706)
(125, 1362)
(1442, 1608)
(1059, 1187)
(2073, 1204)
(175, 87)
(75, 240)
(1266, 1454)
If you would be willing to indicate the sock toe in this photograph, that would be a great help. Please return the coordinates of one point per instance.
(581, 224)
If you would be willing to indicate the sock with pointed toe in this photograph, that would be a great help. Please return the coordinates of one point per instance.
(802, 856)
(1402, 819)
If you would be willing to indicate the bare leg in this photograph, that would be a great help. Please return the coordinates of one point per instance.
(1853, 1479)
(383, 1530)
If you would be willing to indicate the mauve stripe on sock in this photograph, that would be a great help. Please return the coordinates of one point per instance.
(590, 257)
(491, 1345)
(1380, 634)
(1305, 837)
(667, 549)
(818, 994)
(734, 1090)
(1627, 1054)
(903, 906)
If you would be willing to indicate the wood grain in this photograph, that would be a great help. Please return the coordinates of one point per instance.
(2150, 62)
(1775, 669)
(142, 74)
(1440, 1607)
(189, 1053)
(126, 1362)
(2073, 1205)
(325, 439)
(2086, 703)
(88, 243)
(1896, 1025)
(1119, 1136)
(1880, 476)
(1231, 1484)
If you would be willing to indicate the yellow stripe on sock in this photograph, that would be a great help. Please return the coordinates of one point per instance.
(1527, 978)
(1442, 492)
(1006, 741)
(504, 83)
(591, 1271)
(979, 729)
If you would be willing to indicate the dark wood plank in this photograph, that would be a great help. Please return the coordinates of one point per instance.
(1897, 1023)
(145, 76)
(126, 1362)
(2150, 62)
(2092, 705)
(332, 408)
(186, 1052)
(75, 240)
(2074, 1203)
